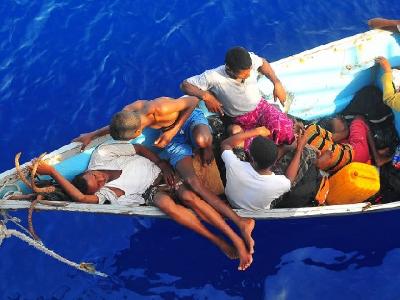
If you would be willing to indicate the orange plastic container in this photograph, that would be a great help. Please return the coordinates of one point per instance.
(355, 183)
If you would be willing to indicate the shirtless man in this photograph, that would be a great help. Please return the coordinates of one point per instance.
(182, 127)
(126, 174)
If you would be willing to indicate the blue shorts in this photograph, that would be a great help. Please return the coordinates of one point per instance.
(183, 142)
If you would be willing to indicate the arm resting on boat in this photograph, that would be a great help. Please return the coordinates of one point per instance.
(68, 187)
(381, 23)
(237, 139)
(212, 103)
(279, 91)
(86, 138)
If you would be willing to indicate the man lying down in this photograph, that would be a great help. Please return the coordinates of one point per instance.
(127, 174)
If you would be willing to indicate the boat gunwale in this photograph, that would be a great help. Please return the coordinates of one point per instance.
(149, 211)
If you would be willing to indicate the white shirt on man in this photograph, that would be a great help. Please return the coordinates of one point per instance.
(138, 172)
(247, 189)
(237, 98)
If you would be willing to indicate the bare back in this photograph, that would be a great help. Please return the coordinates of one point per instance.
(158, 113)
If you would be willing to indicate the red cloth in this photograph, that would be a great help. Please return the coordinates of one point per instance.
(359, 141)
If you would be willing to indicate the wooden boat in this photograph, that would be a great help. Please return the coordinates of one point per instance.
(320, 82)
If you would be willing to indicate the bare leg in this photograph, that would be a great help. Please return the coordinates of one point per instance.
(203, 209)
(203, 139)
(187, 218)
(246, 226)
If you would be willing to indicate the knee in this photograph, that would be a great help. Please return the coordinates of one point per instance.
(164, 202)
(194, 183)
(203, 140)
(234, 129)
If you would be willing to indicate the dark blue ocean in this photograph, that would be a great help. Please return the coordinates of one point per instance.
(67, 66)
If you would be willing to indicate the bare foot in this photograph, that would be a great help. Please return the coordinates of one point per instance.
(244, 256)
(206, 155)
(229, 250)
(246, 229)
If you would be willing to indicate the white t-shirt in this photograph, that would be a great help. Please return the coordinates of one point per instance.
(247, 189)
(138, 172)
(236, 97)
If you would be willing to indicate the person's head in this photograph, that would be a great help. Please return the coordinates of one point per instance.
(238, 63)
(90, 182)
(333, 124)
(125, 125)
(263, 152)
(324, 160)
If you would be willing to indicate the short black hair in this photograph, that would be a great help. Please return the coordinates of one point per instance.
(327, 124)
(124, 124)
(264, 152)
(80, 183)
(237, 59)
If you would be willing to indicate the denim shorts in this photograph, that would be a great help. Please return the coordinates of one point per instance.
(181, 145)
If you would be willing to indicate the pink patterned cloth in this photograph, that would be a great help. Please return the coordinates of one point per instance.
(265, 114)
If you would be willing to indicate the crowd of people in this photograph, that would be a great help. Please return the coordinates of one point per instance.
(268, 156)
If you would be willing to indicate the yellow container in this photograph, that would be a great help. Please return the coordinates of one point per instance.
(355, 183)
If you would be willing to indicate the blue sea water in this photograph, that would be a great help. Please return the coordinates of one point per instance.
(67, 66)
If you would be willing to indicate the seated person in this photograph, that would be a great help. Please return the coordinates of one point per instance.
(385, 24)
(123, 173)
(391, 97)
(253, 186)
(340, 145)
(306, 187)
(231, 89)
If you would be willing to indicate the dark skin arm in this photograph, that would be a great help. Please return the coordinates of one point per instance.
(86, 138)
(68, 187)
(293, 168)
(279, 91)
(164, 106)
(165, 167)
(212, 102)
(237, 139)
(386, 24)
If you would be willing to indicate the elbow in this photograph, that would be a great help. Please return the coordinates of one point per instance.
(194, 101)
(183, 86)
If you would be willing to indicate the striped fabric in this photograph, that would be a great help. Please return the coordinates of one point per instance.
(321, 139)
